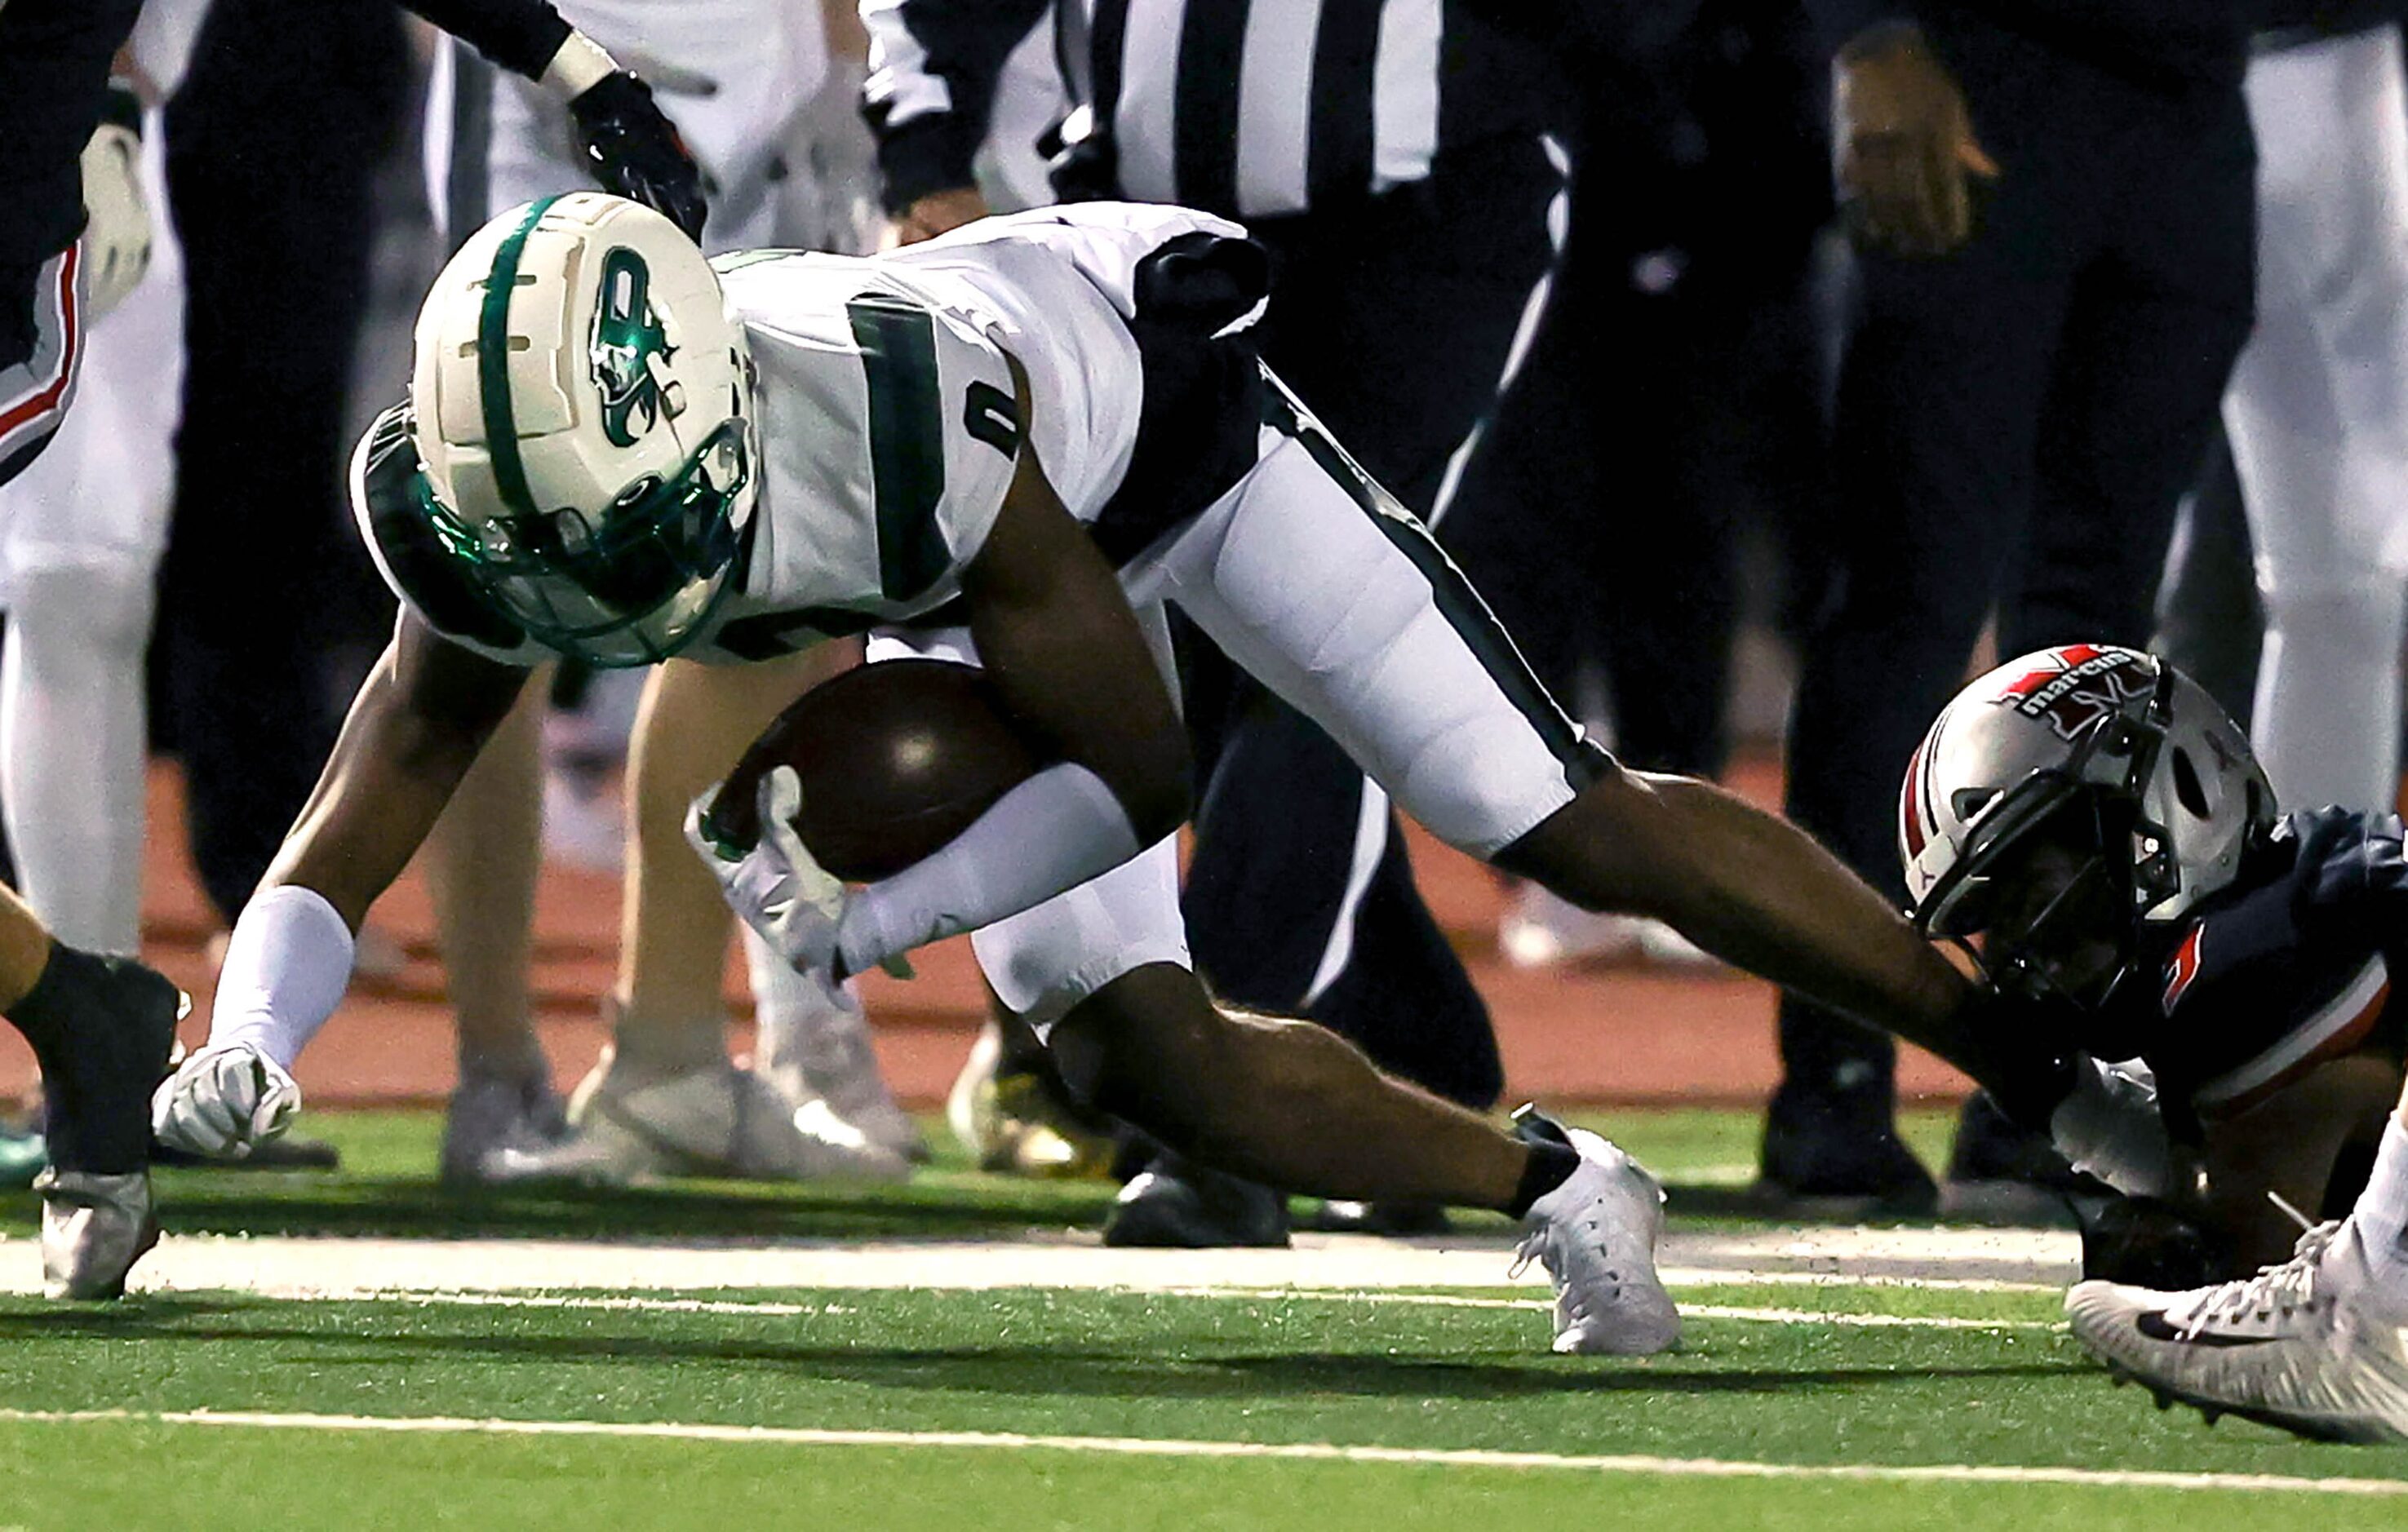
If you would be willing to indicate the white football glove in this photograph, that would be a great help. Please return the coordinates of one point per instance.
(226, 1099)
(117, 227)
(2109, 1126)
(778, 887)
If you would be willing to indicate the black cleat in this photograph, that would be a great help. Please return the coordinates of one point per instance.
(1177, 1204)
(1837, 1154)
(102, 1028)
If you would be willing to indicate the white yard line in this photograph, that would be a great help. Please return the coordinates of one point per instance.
(1307, 1452)
(1974, 1260)
(769, 1309)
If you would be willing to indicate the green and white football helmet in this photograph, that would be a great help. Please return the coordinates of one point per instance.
(583, 406)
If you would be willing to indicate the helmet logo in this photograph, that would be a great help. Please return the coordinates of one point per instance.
(2074, 687)
(627, 336)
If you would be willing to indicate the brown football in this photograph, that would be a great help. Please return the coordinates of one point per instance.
(896, 759)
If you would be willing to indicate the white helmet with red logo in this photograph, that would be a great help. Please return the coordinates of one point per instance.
(2165, 779)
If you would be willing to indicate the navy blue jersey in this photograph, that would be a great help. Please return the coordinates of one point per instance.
(2288, 968)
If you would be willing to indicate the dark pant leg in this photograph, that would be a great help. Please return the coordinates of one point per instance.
(271, 148)
(2209, 619)
(1946, 366)
(2155, 325)
(1393, 325)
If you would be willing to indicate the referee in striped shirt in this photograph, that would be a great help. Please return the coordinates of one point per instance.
(1392, 155)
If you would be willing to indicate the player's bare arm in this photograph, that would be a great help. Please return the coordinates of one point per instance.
(1062, 645)
(413, 731)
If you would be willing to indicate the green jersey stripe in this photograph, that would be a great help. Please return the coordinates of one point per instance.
(897, 342)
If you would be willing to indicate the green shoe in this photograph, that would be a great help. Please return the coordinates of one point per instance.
(21, 1156)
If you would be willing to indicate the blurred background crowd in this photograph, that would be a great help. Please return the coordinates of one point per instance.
(1765, 362)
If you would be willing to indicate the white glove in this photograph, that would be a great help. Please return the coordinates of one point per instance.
(2109, 1126)
(227, 1099)
(116, 227)
(778, 887)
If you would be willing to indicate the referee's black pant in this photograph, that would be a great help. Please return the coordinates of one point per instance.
(272, 143)
(2016, 423)
(1393, 320)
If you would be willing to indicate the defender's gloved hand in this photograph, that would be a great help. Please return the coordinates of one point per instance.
(2109, 1126)
(778, 886)
(636, 152)
(226, 1099)
(117, 221)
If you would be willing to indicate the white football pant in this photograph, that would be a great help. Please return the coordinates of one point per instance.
(1341, 605)
(2317, 413)
(82, 531)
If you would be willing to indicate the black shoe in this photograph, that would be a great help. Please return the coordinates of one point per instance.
(108, 1025)
(2003, 1172)
(1837, 1154)
(2143, 1242)
(1177, 1205)
(1992, 1146)
(1391, 1219)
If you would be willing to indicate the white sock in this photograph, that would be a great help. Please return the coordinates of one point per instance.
(71, 749)
(2380, 1220)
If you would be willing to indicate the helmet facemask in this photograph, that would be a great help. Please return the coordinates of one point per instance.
(628, 586)
(2057, 871)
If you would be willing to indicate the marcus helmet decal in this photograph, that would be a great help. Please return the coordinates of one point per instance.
(2072, 688)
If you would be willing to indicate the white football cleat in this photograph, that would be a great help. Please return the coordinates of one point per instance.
(631, 1123)
(815, 1046)
(2300, 1345)
(1596, 1234)
(95, 1227)
(490, 1114)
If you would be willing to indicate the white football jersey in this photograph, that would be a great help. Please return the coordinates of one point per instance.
(889, 421)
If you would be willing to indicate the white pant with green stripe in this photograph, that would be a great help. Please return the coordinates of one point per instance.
(1334, 598)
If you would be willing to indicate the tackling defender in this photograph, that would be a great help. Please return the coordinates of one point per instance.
(1036, 432)
(2094, 817)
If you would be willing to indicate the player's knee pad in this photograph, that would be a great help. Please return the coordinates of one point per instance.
(2361, 614)
(98, 613)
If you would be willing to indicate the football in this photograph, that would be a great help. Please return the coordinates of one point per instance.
(896, 759)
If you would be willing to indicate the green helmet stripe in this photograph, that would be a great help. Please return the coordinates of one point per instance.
(494, 364)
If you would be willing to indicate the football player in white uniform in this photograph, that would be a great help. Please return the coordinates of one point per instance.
(735, 77)
(1038, 430)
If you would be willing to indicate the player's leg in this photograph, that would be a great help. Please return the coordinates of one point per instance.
(1102, 972)
(483, 859)
(80, 536)
(1311, 578)
(666, 1099)
(2317, 1345)
(2318, 415)
(84, 527)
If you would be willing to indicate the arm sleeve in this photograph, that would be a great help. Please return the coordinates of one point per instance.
(1046, 836)
(933, 66)
(520, 36)
(286, 967)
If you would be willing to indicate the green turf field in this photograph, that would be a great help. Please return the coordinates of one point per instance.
(1841, 1405)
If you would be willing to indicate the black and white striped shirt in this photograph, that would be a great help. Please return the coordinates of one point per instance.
(1245, 107)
